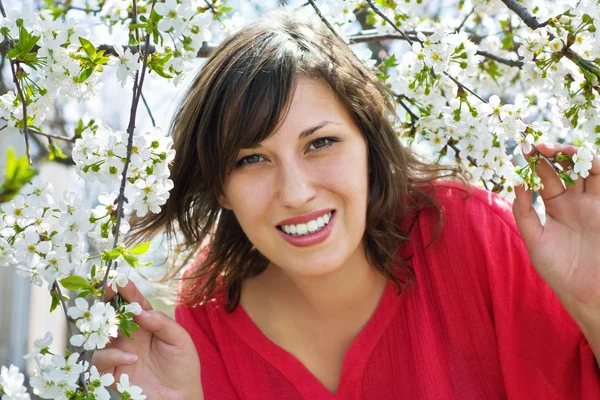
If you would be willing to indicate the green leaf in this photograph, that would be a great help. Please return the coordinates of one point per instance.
(88, 47)
(131, 260)
(141, 248)
(55, 151)
(567, 179)
(12, 54)
(55, 300)
(17, 174)
(85, 74)
(113, 254)
(127, 327)
(74, 282)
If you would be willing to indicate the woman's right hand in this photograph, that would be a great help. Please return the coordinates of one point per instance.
(165, 362)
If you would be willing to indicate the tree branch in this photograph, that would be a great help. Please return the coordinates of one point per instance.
(523, 13)
(137, 91)
(375, 37)
(505, 61)
(51, 136)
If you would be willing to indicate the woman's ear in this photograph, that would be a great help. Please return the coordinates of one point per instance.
(223, 201)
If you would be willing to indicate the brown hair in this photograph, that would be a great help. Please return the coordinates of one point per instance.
(237, 100)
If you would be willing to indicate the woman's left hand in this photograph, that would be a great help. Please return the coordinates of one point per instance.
(565, 251)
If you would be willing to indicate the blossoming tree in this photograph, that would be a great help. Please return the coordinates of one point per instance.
(476, 83)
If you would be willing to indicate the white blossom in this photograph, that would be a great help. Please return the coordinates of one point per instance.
(11, 384)
(124, 386)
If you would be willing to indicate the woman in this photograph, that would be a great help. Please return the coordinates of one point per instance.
(337, 265)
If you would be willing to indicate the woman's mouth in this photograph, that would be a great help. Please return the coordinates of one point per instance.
(310, 233)
(307, 228)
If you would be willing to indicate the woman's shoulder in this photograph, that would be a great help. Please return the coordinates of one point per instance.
(466, 202)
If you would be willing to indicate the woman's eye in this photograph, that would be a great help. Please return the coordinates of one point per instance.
(253, 159)
(317, 144)
(322, 142)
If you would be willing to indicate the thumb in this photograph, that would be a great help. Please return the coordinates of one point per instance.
(526, 217)
(162, 326)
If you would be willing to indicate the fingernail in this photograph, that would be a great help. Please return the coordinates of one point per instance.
(130, 357)
(145, 314)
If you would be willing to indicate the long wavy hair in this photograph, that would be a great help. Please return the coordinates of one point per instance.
(236, 101)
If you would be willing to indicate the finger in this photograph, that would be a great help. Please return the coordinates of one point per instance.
(130, 293)
(553, 185)
(162, 326)
(550, 150)
(526, 217)
(107, 360)
(592, 182)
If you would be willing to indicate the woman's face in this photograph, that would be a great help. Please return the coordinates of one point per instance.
(313, 167)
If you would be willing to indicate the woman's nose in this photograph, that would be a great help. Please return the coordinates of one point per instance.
(296, 185)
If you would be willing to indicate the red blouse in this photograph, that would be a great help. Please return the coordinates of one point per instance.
(478, 323)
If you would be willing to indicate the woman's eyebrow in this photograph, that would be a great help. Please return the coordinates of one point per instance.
(305, 133)
(309, 131)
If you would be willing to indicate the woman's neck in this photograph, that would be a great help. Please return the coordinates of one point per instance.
(353, 290)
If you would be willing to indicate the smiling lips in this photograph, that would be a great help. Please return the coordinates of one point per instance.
(308, 229)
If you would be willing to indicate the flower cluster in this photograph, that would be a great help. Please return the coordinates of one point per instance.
(42, 238)
(97, 324)
(57, 377)
(100, 155)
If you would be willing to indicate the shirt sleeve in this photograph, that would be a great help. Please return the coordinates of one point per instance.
(215, 379)
(542, 352)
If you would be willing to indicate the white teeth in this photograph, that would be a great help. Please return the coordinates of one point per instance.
(302, 229)
(309, 227)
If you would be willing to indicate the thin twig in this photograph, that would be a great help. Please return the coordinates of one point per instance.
(13, 68)
(410, 112)
(70, 332)
(386, 19)
(314, 6)
(211, 6)
(51, 136)
(90, 10)
(464, 21)
(465, 87)
(64, 306)
(148, 109)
